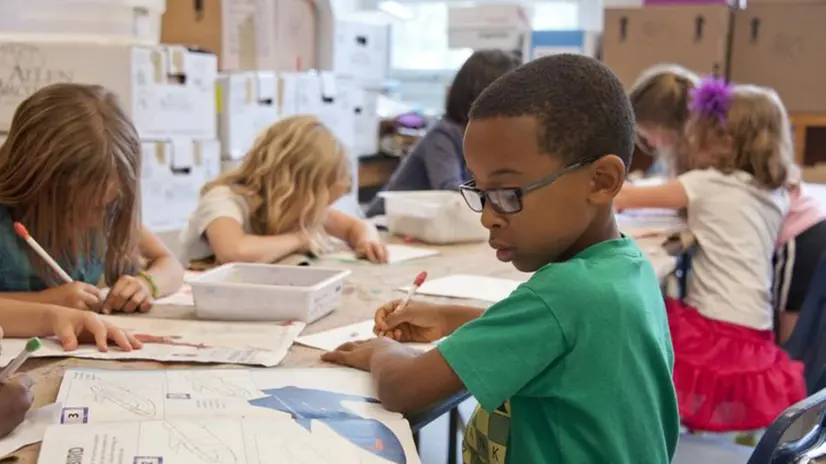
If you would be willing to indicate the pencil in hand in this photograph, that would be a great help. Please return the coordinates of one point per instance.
(410, 292)
(21, 231)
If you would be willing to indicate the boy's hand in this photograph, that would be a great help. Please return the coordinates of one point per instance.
(129, 294)
(72, 326)
(374, 251)
(15, 401)
(355, 354)
(78, 295)
(417, 322)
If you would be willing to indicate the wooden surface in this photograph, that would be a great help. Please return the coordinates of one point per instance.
(367, 288)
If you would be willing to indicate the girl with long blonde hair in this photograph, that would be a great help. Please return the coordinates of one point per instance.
(277, 202)
(729, 373)
(69, 172)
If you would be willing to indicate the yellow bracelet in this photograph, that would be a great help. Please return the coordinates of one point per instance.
(148, 278)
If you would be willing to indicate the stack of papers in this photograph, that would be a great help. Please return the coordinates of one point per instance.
(332, 339)
(471, 287)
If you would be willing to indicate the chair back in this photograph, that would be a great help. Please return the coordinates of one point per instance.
(774, 448)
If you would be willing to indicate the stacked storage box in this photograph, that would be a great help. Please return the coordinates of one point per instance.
(168, 91)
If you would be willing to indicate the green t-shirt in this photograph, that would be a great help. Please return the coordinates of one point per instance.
(573, 367)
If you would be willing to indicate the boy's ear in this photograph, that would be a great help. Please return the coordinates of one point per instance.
(607, 177)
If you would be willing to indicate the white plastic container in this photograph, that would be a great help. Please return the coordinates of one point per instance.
(267, 292)
(139, 21)
(432, 216)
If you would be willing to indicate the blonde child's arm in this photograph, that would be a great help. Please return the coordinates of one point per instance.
(347, 228)
(166, 271)
(670, 195)
(360, 235)
(231, 244)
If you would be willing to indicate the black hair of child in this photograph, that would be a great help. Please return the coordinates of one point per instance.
(476, 74)
(582, 109)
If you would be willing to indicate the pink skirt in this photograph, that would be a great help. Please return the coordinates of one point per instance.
(729, 377)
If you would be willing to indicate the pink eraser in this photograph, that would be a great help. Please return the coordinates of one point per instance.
(20, 229)
(420, 279)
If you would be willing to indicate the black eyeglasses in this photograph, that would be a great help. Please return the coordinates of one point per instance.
(508, 200)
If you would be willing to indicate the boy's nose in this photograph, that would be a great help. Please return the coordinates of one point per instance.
(491, 219)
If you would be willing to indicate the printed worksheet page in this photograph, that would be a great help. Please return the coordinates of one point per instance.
(223, 415)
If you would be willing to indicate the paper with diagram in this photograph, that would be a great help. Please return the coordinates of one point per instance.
(471, 287)
(331, 339)
(395, 254)
(232, 416)
(174, 340)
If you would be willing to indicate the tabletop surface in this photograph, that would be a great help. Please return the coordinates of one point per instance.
(367, 288)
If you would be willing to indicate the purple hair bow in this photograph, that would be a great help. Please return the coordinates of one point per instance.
(712, 99)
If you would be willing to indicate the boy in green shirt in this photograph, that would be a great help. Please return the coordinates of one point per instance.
(575, 365)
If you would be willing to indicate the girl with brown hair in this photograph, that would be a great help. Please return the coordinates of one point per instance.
(69, 172)
(729, 373)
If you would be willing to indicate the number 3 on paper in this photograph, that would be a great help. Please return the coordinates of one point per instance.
(74, 415)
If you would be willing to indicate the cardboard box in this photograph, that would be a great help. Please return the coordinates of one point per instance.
(246, 35)
(247, 105)
(732, 3)
(366, 133)
(489, 26)
(361, 51)
(781, 46)
(167, 91)
(694, 36)
(544, 43)
(173, 172)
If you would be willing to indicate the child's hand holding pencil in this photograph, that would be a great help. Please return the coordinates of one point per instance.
(416, 321)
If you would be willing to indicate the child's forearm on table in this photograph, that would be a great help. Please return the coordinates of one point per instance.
(24, 319)
(29, 297)
(388, 367)
(263, 249)
(167, 274)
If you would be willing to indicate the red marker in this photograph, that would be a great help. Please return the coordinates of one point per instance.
(20, 229)
(416, 284)
(412, 291)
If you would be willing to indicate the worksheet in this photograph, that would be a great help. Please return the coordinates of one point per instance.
(224, 415)
(231, 441)
(470, 287)
(331, 339)
(174, 340)
(396, 254)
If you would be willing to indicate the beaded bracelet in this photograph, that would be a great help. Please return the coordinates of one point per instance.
(148, 278)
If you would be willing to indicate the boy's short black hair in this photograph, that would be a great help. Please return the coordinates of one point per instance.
(476, 74)
(581, 106)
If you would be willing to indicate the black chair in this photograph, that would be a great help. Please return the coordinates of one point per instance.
(808, 340)
(772, 449)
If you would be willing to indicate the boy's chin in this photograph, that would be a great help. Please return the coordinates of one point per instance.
(525, 265)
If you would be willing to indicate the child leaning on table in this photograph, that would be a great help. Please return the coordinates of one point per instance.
(278, 201)
(21, 319)
(69, 172)
(729, 373)
(575, 365)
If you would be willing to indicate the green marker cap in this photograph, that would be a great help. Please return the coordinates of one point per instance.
(33, 345)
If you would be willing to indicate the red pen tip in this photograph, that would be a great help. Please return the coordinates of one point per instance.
(420, 279)
(20, 229)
